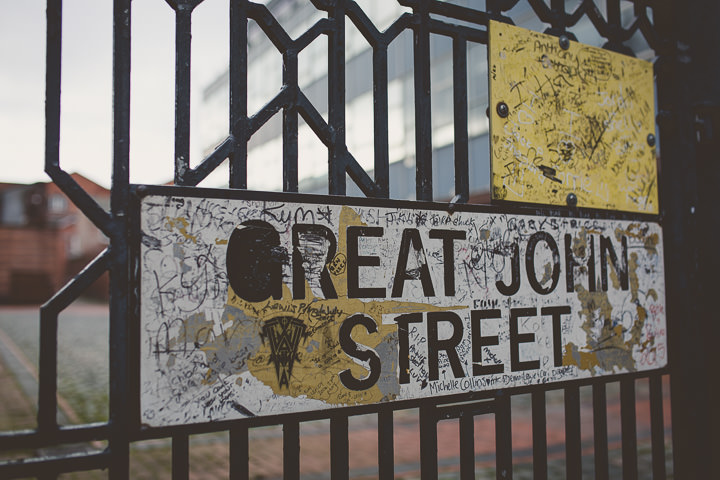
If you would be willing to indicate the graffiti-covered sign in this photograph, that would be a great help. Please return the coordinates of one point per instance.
(266, 305)
(570, 123)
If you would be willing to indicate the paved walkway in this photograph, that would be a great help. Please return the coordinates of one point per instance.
(83, 346)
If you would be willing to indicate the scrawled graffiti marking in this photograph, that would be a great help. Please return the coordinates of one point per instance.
(284, 335)
(258, 307)
(577, 123)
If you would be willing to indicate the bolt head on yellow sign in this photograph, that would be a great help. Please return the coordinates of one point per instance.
(570, 124)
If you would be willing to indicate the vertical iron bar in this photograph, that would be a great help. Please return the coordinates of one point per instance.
(503, 437)
(183, 34)
(180, 456)
(380, 119)
(539, 435)
(121, 110)
(613, 13)
(52, 83)
(336, 100)
(339, 447)
(614, 23)
(558, 17)
(460, 111)
(386, 447)
(629, 428)
(600, 434)
(428, 442)
(238, 93)
(119, 441)
(657, 428)
(558, 9)
(558, 5)
(239, 453)
(291, 449)
(47, 383)
(687, 75)
(290, 123)
(467, 445)
(423, 115)
(573, 453)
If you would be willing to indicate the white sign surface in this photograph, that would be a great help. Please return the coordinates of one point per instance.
(252, 307)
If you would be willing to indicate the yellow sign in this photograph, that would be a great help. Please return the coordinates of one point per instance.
(570, 124)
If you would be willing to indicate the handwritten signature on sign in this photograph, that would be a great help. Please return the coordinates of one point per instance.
(573, 120)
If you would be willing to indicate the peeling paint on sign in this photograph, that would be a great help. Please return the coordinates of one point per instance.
(570, 121)
(263, 307)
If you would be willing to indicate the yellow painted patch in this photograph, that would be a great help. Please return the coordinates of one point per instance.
(319, 357)
(577, 122)
(181, 224)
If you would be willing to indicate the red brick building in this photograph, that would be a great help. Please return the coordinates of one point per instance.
(45, 240)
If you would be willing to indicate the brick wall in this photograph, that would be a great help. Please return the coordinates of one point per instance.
(32, 263)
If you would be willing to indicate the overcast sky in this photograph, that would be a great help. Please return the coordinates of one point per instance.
(86, 108)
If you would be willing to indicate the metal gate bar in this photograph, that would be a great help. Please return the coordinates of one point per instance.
(180, 456)
(239, 452)
(120, 401)
(386, 445)
(339, 446)
(600, 431)
(539, 435)
(573, 451)
(657, 428)
(503, 436)
(629, 428)
(291, 449)
(428, 442)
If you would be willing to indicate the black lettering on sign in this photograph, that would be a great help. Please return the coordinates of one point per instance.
(354, 261)
(571, 264)
(478, 341)
(448, 236)
(556, 312)
(420, 271)
(535, 238)
(314, 247)
(403, 322)
(350, 347)
(254, 261)
(620, 266)
(517, 338)
(449, 345)
(514, 286)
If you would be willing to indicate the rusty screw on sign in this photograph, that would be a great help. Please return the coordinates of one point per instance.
(502, 109)
(571, 199)
(564, 42)
(651, 139)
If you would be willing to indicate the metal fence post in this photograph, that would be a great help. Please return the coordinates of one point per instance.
(688, 92)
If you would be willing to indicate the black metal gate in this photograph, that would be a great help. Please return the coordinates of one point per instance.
(683, 38)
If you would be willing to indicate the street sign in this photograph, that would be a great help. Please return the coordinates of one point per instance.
(570, 124)
(263, 304)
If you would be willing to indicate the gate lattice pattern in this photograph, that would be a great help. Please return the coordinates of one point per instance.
(462, 25)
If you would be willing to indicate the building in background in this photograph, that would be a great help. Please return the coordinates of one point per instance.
(46, 240)
(265, 80)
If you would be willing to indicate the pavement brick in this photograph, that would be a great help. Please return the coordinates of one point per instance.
(16, 410)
